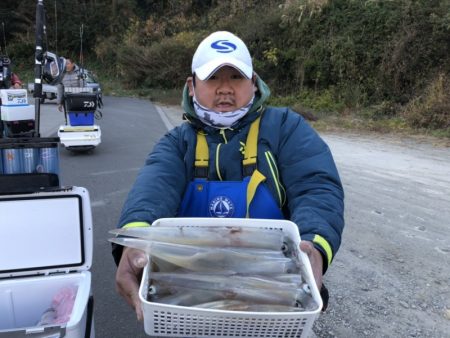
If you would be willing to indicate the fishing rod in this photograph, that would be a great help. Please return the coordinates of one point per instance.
(39, 57)
(82, 71)
(5, 63)
(56, 30)
(4, 39)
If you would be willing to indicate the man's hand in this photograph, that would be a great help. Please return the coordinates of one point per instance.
(60, 107)
(129, 273)
(316, 260)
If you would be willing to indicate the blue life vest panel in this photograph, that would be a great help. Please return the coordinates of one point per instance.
(249, 198)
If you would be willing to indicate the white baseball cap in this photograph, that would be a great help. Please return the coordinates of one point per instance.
(221, 49)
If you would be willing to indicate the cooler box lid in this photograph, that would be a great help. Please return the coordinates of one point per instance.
(13, 97)
(29, 142)
(45, 232)
(80, 102)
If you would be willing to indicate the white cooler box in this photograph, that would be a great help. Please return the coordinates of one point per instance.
(46, 246)
(80, 136)
(17, 113)
(15, 105)
(13, 97)
(164, 320)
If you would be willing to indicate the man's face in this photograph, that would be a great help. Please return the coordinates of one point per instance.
(226, 90)
(69, 65)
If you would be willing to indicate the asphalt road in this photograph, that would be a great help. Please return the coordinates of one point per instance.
(391, 276)
(130, 127)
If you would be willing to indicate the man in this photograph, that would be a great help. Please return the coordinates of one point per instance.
(292, 168)
(71, 78)
(72, 74)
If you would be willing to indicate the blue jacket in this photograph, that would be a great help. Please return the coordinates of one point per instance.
(297, 163)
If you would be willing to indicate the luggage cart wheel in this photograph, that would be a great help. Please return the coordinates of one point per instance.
(80, 149)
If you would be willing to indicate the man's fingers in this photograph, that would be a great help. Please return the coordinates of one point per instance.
(315, 258)
(140, 260)
(132, 297)
(128, 276)
(306, 247)
(127, 286)
(137, 306)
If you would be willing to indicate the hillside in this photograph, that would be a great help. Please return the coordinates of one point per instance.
(376, 60)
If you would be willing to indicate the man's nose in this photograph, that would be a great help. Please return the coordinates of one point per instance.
(224, 87)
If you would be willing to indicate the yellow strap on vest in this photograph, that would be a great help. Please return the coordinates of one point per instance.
(251, 145)
(250, 156)
(201, 151)
(255, 181)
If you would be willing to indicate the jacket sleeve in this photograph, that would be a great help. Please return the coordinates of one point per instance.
(158, 188)
(313, 188)
(59, 93)
(160, 184)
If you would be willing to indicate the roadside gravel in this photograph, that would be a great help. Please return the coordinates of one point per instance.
(391, 277)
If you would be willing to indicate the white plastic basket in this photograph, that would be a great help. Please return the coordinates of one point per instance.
(163, 320)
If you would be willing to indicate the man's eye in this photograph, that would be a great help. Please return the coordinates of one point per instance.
(236, 77)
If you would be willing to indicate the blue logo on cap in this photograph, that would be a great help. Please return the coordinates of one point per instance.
(223, 46)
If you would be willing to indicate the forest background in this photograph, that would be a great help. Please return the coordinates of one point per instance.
(379, 65)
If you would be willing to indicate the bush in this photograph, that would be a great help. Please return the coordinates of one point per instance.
(320, 102)
(372, 51)
(164, 64)
(387, 58)
(432, 108)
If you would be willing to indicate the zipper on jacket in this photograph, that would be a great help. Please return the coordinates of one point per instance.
(276, 178)
(222, 132)
(217, 161)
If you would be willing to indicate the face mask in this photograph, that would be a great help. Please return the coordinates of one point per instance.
(217, 119)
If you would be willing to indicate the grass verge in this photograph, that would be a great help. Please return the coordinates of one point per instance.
(348, 121)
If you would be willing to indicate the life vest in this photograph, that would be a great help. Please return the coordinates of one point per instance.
(249, 198)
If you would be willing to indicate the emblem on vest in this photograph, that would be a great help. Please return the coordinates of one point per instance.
(221, 207)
